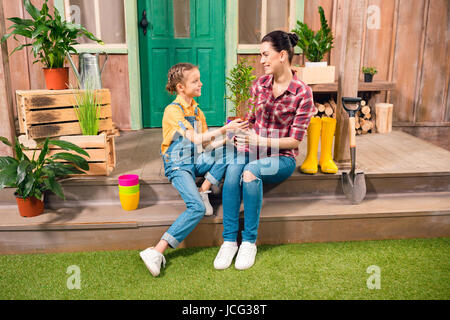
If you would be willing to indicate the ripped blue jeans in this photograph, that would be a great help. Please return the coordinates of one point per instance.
(266, 170)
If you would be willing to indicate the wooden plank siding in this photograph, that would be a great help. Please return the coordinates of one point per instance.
(410, 49)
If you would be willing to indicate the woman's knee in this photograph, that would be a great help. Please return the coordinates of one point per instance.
(248, 176)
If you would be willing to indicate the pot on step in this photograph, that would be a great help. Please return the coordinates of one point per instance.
(30, 207)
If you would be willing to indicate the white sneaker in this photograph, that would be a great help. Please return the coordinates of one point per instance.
(153, 260)
(246, 256)
(225, 256)
(209, 209)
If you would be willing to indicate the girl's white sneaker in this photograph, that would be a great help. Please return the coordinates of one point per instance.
(153, 260)
(205, 198)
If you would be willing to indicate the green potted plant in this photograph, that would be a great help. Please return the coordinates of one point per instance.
(369, 72)
(314, 47)
(239, 83)
(87, 109)
(32, 177)
(50, 37)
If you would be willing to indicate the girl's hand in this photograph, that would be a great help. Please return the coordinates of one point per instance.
(237, 124)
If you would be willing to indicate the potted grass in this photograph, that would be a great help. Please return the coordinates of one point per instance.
(239, 83)
(87, 109)
(368, 72)
(33, 176)
(314, 47)
(50, 37)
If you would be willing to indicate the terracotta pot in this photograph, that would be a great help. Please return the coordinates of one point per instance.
(229, 119)
(56, 79)
(30, 207)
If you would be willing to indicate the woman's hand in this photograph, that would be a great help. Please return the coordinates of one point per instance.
(247, 137)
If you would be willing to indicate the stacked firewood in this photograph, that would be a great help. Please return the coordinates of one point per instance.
(364, 122)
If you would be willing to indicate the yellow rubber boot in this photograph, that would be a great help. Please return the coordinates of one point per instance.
(326, 162)
(309, 166)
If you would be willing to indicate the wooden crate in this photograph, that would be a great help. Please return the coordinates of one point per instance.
(315, 75)
(51, 113)
(101, 150)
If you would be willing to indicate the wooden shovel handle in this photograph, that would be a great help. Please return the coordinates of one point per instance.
(352, 131)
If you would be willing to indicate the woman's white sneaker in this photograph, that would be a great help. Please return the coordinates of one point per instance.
(153, 260)
(225, 256)
(246, 256)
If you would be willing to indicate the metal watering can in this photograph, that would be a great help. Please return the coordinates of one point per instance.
(89, 74)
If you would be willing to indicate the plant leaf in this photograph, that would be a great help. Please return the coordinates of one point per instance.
(8, 176)
(68, 146)
(5, 141)
(23, 170)
(72, 158)
(32, 10)
(55, 187)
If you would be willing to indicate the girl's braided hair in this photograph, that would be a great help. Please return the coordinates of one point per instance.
(176, 76)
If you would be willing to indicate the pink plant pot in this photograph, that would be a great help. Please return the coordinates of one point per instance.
(128, 180)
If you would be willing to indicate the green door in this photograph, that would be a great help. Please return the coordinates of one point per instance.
(182, 31)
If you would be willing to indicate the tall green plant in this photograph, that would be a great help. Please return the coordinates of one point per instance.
(88, 109)
(315, 46)
(50, 37)
(32, 177)
(239, 83)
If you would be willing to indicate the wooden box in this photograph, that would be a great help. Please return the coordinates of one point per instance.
(51, 113)
(101, 150)
(315, 75)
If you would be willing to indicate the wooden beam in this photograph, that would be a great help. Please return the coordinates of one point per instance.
(7, 128)
(351, 16)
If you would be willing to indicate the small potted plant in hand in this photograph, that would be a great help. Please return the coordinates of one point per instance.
(32, 177)
(239, 83)
(50, 38)
(369, 72)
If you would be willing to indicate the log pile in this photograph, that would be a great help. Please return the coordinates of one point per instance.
(364, 121)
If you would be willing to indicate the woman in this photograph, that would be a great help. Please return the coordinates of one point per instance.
(283, 107)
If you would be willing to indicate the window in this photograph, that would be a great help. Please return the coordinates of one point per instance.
(259, 17)
(103, 18)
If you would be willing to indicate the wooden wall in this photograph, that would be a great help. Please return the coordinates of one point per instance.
(410, 48)
(28, 76)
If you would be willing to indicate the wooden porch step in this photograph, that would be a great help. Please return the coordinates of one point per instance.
(282, 221)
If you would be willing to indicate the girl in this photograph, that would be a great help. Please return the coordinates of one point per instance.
(184, 130)
(283, 109)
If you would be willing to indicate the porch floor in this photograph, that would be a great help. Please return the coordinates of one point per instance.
(408, 183)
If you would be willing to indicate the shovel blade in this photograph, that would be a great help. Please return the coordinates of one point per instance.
(354, 187)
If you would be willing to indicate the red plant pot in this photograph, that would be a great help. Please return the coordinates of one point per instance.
(57, 78)
(30, 207)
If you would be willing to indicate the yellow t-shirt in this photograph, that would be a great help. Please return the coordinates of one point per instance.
(174, 121)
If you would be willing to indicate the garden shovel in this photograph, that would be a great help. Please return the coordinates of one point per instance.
(353, 183)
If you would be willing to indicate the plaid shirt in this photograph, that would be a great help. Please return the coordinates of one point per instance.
(285, 116)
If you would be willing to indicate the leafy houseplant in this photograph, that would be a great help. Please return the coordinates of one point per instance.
(32, 177)
(314, 46)
(50, 37)
(239, 83)
(369, 72)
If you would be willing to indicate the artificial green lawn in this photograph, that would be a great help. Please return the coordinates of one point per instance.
(410, 269)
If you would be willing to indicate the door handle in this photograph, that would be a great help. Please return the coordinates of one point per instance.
(144, 22)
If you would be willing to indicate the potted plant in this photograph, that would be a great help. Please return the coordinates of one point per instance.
(314, 47)
(32, 177)
(87, 109)
(369, 72)
(50, 37)
(239, 83)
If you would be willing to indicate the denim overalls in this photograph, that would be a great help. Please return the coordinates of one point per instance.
(182, 164)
